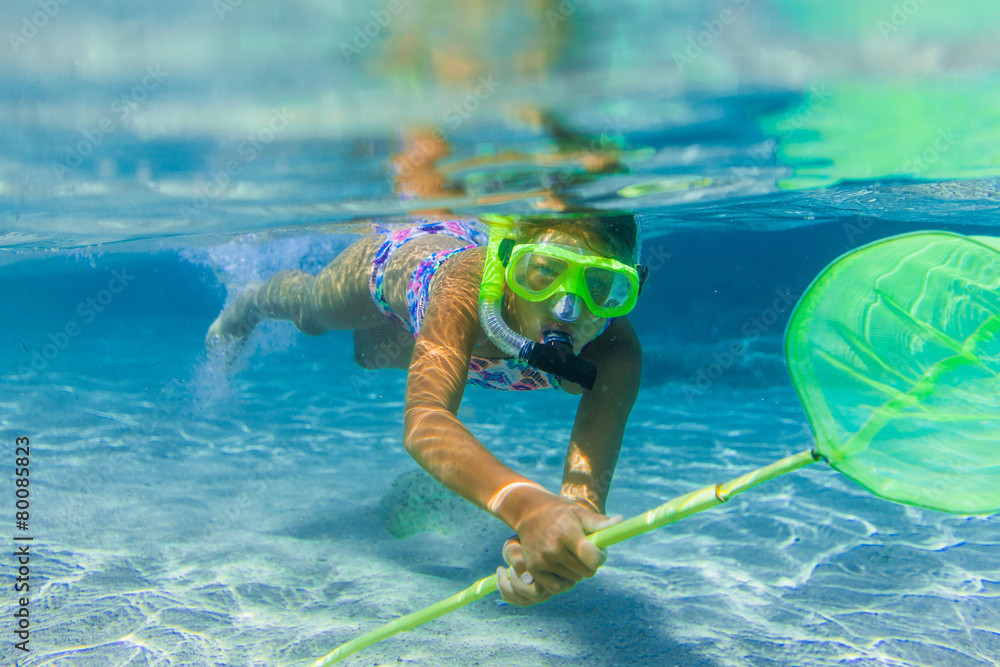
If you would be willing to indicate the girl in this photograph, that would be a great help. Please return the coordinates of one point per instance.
(549, 290)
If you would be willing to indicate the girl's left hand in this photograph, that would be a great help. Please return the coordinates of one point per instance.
(521, 590)
(562, 556)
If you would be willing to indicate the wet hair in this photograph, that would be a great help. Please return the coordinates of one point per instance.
(613, 234)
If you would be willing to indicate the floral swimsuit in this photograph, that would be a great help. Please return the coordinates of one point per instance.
(505, 374)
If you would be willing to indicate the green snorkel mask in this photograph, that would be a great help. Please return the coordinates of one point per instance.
(540, 271)
(565, 277)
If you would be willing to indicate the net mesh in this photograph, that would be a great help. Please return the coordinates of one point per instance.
(895, 353)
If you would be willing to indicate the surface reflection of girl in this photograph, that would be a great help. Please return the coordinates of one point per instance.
(424, 169)
(555, 293)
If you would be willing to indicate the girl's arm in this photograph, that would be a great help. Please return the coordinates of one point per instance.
(590, 464)
(602, 414)
(433, 434)
(553, 553)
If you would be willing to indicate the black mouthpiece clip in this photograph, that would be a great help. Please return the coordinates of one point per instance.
(556, 356)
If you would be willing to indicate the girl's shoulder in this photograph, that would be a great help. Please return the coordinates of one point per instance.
(457, 282)
(452, 304)
(462, 272)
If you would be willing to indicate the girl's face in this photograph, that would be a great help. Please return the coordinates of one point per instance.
(533, 319)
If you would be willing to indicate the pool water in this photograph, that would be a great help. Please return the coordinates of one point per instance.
(189, 512)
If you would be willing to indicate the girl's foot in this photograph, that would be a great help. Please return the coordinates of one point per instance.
(235, 322)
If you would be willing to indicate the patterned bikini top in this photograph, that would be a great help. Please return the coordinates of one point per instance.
(508, 374)
(500, 374)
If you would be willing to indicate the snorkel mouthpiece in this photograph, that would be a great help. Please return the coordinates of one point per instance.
(556, 356)
(567, 307)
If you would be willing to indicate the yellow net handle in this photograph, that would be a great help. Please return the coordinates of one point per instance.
(670, 512)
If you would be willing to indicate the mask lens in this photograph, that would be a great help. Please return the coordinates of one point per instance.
(536, 273)
(608, 289)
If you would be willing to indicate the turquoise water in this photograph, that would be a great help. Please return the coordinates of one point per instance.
(158, 159)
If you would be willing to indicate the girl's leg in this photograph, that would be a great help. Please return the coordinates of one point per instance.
(283, 296)
(337, 298)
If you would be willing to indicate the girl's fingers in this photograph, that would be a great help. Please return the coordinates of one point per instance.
(521, 588)
(514, 556)
(517, 592)
(587, 558)
(553, 584)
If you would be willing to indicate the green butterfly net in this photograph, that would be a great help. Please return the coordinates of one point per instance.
(895, 353)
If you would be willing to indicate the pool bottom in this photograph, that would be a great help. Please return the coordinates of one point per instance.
(246, 529)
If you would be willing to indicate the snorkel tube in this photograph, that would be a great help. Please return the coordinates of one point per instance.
(555, 355)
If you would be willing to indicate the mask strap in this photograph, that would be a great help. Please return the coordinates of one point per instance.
(643, 272)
